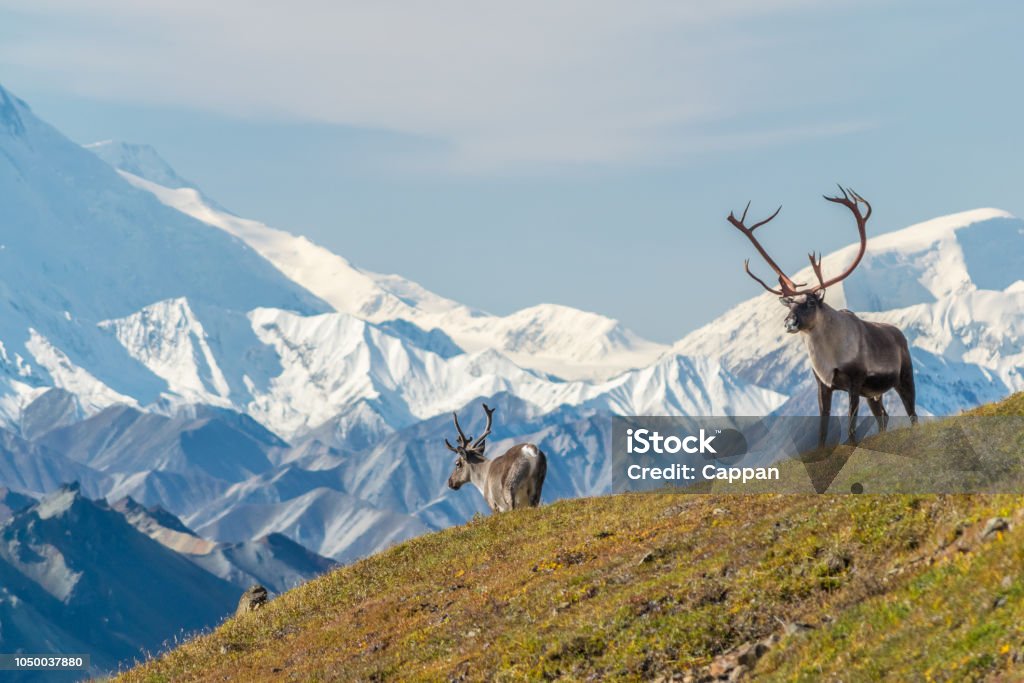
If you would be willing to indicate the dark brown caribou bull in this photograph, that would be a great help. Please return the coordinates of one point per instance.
(512, 480)
(849, 354)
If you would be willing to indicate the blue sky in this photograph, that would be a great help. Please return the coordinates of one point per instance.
(583, 153)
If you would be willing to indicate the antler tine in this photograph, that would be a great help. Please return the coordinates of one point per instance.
(487, 430)
(757, 225)
(452, 448)
(738, 222)
(746, 267)
(816, 267)
(866, 203)
(463, 439)
(845, 199)
(849, 199)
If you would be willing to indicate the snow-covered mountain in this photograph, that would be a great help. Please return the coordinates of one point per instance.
(558, 340)
(78, 246)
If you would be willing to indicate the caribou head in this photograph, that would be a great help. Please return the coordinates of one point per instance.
(469, 453)
(803, 311)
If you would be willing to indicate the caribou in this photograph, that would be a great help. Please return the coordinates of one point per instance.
(512, 480)
(864, 359)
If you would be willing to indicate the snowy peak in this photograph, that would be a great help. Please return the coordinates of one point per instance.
(928, 232)
(140, 160)
(329, 276)
(556, 330)
(83, 245)
(168, 338)
(554, 339)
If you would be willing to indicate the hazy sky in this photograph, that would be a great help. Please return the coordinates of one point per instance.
(583, 153)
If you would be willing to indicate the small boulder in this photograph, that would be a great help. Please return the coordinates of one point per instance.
(252, 599)
(994, 526)
(837, 563)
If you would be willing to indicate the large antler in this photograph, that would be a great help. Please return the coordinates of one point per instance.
(787, 287)
(850, 200)
(464, 441)
(487, 430)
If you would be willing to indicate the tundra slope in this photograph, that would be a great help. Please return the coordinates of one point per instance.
(639, 586)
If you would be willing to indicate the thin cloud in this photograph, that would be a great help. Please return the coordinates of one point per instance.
(498, 83)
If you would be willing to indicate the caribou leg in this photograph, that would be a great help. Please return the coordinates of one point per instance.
(906, 391)
(851, 429)
(878, 409)
(825, 410)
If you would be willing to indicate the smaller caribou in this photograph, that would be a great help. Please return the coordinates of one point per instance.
(510, 481)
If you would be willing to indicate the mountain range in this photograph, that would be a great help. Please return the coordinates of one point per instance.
(259, 407)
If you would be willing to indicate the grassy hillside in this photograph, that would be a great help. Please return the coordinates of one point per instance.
(639, 587)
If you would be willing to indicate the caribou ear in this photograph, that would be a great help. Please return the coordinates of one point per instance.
(786, 301)
(820, 294)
